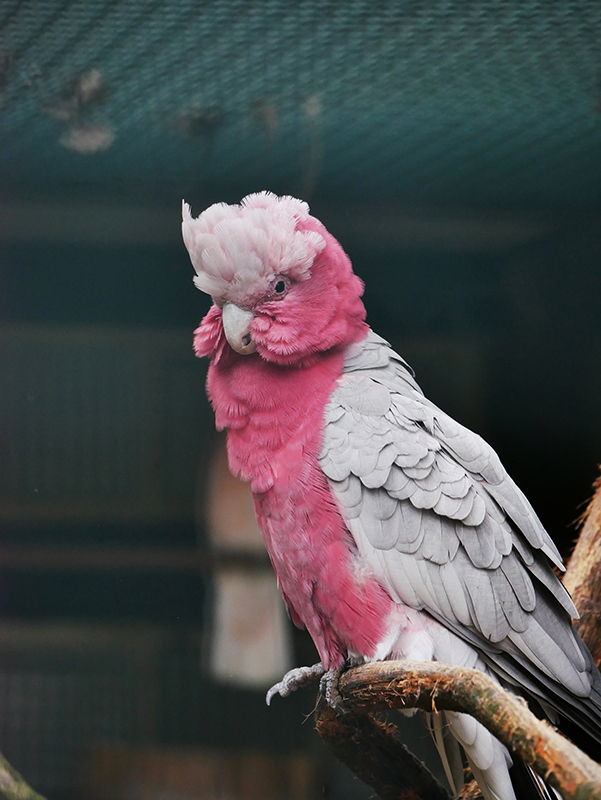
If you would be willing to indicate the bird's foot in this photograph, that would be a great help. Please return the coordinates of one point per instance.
(295, 679)
(328, 686)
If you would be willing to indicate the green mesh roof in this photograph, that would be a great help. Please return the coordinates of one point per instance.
(479, 103)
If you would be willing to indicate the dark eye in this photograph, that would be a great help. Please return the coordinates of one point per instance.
(280, 285)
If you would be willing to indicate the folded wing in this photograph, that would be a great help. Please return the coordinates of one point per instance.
(446, 530)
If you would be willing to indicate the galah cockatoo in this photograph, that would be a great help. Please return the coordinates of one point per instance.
(394, 531)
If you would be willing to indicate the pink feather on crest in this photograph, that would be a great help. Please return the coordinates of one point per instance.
(394, 531)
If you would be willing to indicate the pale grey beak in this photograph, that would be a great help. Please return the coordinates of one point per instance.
(236, 325)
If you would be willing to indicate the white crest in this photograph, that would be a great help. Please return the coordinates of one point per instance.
(235, 249)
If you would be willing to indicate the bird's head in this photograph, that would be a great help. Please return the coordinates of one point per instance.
(282, 286)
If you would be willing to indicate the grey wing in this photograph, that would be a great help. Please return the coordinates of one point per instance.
(446, 530)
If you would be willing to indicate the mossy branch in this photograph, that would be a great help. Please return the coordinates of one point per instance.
(374, 753)
(431, 686)
(583, 576)
(371, 749)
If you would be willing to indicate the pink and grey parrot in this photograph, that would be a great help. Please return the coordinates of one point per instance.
(395, 532)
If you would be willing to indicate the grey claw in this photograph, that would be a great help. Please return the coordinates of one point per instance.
(328, 686)
(294, 679)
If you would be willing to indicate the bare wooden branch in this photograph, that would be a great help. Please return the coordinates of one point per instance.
(407, 685)
(12, 785)
(583, 576)
(370, 748)
(433, 686)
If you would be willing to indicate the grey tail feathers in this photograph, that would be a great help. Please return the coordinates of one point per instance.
(527, 785)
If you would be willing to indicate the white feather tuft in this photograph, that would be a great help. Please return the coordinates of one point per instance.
(235, 249)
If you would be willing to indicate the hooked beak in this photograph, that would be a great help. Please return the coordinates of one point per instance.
(236, 325)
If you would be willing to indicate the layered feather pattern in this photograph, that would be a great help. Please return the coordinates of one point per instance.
(395, 532)
(235, 249)
(445, 530)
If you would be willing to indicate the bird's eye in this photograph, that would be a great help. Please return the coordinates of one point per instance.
(280, 285)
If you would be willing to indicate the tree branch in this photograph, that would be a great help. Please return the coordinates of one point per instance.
(374, 753)
(12, 785)
(583, 576)
(435, 687)
(432, 686)
(371, 748)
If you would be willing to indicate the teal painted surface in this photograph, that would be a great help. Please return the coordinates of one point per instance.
(480, 103)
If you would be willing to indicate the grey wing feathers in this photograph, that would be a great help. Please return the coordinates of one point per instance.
(446, 530)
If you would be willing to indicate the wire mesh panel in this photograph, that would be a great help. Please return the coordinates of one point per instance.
(93, 706)
(98, 424)
(46, 717)
(67, 688)
(468, 101)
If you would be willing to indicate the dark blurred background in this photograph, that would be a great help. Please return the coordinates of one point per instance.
(454, 148)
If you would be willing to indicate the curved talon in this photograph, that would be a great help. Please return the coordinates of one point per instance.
(328, 686)
(295, 679)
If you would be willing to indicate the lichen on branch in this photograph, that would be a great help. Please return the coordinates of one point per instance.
(370, 747)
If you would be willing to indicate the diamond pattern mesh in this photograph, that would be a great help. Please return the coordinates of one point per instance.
(484, 103)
